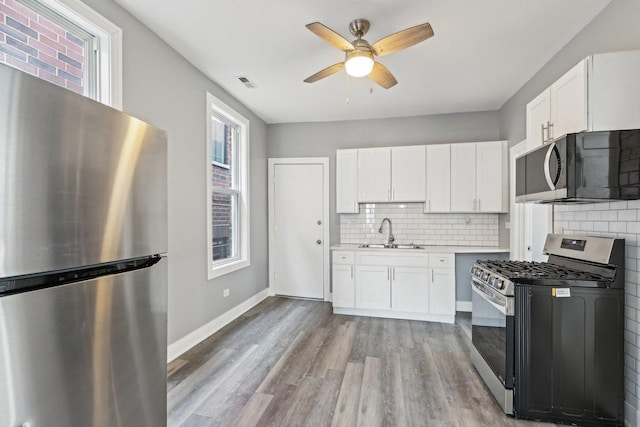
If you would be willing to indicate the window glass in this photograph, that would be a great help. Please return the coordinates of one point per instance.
(228, 213)
(54, 40)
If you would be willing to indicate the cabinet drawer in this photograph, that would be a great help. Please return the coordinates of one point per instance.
(392, 259)
(442, 260)
(343, 257)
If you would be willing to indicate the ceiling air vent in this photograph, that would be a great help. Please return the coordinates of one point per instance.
(248, 83)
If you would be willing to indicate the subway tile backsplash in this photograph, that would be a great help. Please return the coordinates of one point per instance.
(412, 225)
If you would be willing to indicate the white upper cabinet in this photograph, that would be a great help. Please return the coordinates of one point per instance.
(347, 181)
(374, 174)
(463, 177)
(438, 177)
(491, 177)
(614, 91)
(391, 174)
(538, 119)
(478, 177)
(602, 92)
(407, 174)
(569, 103)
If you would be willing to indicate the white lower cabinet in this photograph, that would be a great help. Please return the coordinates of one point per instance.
(343, 279)
(409, 285)
(442, 284)
(409, 289)
(373, 287)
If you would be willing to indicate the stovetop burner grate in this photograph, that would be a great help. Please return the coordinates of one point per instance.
(537, 270)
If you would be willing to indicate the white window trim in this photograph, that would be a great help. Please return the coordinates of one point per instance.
(109, 37)
(217, 269)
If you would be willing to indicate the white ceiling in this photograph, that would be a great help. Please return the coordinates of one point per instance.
(481, 54)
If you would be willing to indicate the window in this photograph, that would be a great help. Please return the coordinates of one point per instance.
(65, 43)
(222, 136)
(227, 188)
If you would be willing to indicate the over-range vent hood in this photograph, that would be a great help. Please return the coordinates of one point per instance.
(586, 167)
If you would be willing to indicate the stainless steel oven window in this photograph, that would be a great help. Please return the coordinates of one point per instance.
(489, 335)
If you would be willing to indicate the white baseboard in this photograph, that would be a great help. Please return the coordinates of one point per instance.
(631, 415)
(442, 318)
(463, 306)
(183, 344)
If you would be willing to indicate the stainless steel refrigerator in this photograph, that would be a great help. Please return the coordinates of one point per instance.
(83, 267)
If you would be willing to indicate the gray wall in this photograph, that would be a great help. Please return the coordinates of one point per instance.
(164, 89)
(464, 262)
(322, 139)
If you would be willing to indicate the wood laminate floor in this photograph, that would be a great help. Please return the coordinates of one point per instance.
(292, 362)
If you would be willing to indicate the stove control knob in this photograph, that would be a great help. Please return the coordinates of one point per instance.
(499, 284)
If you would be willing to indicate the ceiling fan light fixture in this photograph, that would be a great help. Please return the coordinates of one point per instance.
(359, 63)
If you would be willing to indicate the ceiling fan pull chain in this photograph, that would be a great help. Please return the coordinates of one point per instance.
(348, 87)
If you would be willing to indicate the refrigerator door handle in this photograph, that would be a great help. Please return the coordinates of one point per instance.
(16, 284)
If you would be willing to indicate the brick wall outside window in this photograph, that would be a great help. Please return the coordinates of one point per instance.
(34, 44)
(221, 205)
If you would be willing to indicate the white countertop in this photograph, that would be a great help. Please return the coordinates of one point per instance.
(440, 249)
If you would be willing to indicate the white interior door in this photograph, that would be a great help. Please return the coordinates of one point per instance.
(298, 239)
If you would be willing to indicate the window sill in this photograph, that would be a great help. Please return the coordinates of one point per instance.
(226, 268)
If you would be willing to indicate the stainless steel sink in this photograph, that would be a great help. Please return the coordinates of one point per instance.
(407, 246)
(394, 246)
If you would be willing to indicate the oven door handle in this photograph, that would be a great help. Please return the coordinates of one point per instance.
(507, 308)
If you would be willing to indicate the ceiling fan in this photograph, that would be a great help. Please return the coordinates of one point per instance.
(359, 54)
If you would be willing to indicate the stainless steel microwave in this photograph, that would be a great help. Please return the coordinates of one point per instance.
(581, 167)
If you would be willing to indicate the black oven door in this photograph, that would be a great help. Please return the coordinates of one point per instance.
(492, 331)
(541, 174)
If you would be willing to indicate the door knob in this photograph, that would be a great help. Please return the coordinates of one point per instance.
(319, 242)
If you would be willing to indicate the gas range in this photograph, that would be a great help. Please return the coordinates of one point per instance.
(547, 335)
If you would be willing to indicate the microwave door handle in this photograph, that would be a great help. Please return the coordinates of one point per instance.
(547, 172)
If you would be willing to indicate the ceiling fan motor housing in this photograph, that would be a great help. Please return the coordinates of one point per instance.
(359, 27)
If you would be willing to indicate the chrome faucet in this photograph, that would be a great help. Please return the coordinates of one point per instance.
(391, 238)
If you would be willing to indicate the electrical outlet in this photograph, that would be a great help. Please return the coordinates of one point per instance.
(225, 293)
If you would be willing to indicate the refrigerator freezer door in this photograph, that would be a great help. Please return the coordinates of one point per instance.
(86, 354)
(80, 183)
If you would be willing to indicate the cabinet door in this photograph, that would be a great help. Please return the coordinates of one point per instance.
(569, 102)
(491, 190)
(347, 181)
(538, 118)
(373, 287)
(614, 91)
(438, 176)
(407, 174)
(463, 177)
(442, 291)
(410, 289)
(344, 292)
(374, 175)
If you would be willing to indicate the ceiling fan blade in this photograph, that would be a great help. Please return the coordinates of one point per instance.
(382, 76)
(402, 39)
(332, 69)
(330, 36)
